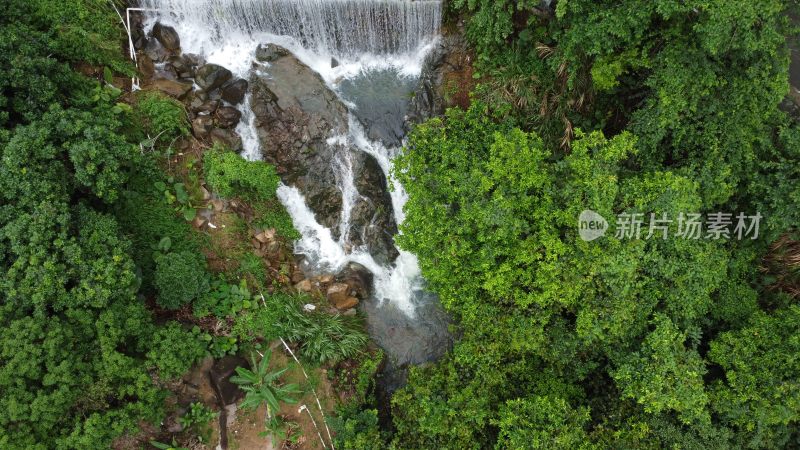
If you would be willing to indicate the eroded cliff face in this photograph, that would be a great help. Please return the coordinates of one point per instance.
(302, 128)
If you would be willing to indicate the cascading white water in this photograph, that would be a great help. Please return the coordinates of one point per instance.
(341, 28)
(364, 36)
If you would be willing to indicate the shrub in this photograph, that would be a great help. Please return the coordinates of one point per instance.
(180, 278)
(230, 175)
(197, 417)
(163, 118)
(272, 214)
(147, 220)
(223, 300)
(357, 429)
(174, 349)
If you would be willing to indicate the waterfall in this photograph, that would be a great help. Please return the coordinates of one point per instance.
(367, 37)
(340, 28)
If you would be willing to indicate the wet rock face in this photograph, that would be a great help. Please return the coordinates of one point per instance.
(185, 66)
(357, 278)
(228, 117)
(234, 91)
(155, 51)
(447, 67)
(167, 36)
(270, 52)
(371, 219)
(297, 117)
(382, 99)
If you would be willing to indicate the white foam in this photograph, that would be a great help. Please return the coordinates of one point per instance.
(340, 28)
(251, 149)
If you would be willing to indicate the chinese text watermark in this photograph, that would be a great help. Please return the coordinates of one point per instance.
(717, 225)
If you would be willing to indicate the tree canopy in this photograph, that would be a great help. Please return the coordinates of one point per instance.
(661, 109)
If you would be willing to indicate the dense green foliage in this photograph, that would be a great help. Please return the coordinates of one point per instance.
(617, 328)
(230, 175)
(618, 342)
(80, 354)
(253, 181)
(163, 118)
(180, 278)
(658, 107)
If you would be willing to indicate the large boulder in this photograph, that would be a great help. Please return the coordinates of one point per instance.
(357, 278)
(302, 126)
(155, 51)
(167, 36)
(211, 76)
(199, 106)
(172, 88)
(202, 126)
(270, 52)
(227, 138)
(186, 65)
(228, 117)
(233, 92)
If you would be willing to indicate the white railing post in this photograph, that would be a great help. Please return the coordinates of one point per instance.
(127, 25)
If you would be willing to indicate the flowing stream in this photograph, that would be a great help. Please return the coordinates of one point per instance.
(378, 47)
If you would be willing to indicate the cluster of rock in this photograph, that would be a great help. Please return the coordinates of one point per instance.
(343, 291)
(209, 91)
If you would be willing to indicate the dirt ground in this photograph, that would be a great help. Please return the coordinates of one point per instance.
(245, 428)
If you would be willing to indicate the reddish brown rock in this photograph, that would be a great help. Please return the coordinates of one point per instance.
(303, 286)
(348, 303)
(172, 88)
(337, 293)
(198, 222)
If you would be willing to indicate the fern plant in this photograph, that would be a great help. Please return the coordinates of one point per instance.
(263, 386)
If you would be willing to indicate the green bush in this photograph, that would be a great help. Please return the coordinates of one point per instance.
(272, 214)
(147, 219)
(357, 429)
(73, 357)
(197, 418)
(174, 349)
(163, 118)
(229, 175)
(223, 300)
(180, 278)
